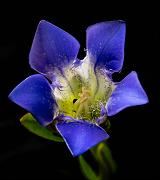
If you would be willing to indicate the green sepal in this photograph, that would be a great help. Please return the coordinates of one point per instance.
(108, 125)
(86, 169)
(30, 123)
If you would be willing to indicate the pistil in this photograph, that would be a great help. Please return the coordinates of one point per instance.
(82, 104)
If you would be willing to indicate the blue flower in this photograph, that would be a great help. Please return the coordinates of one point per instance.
(78, 95)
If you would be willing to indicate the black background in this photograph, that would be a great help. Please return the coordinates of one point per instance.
(135, 131)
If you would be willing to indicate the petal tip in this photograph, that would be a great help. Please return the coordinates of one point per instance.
(129, 92)
(105, 44)
(52, 48)
(34, 94)
(81, 136)
(43, 23)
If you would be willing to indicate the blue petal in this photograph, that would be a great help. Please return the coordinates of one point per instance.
(81, 135)
(52, 48)
(128, 92)
(105, 44)
(35, 95)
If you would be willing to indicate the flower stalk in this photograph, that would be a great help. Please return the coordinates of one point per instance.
(106, 164)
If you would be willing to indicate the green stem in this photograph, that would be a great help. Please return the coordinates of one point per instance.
(104, 170)
(101, 153)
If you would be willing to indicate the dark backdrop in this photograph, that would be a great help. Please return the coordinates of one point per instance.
(135, 131)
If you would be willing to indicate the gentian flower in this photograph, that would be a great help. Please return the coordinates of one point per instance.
(78, 95)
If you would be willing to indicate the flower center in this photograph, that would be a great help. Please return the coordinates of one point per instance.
(82, 92)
